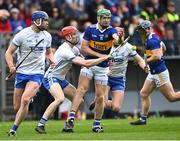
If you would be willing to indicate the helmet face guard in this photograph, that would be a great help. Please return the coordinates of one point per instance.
(104, 17)
(39, 15)
(144, 25)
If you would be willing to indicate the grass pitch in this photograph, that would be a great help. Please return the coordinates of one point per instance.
(115, 129)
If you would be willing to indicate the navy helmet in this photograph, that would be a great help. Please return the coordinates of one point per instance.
(39, 15)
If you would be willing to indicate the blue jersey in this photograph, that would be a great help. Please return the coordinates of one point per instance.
(152, 43)
(99, 41)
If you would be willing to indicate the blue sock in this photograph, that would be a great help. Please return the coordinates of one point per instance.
(143, 117)
(42, 122)
(96, 122)
(72, 114)
(14, 127)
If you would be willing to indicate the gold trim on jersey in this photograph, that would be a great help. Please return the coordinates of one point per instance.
(101, 45)
(149, 53)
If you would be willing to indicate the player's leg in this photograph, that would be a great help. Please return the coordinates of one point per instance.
(166, 87)
(116, 86)
(56, 91)
(100, 89)
(20, 84)
(148, 87)
(83, 85)
(29, 92)
(168, 91)
(69, 92)
(17, 98)
(117, 100)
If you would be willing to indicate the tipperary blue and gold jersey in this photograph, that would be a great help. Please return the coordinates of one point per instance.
(152, 43)
(99, 41)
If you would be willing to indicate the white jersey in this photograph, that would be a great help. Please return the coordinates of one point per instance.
(24, 41)
(118, 65)
(63, 60)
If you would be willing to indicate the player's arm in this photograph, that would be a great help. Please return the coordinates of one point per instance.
(90, 62)
(163, 46)
(85, 48)
(50, 57)
(9, 58)
(157, 53)
(141, 62)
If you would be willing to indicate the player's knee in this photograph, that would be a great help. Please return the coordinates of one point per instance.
(16, 108)
(25, 101)
(172, 99)
(59, 100)
(143, 94)
(100, 99)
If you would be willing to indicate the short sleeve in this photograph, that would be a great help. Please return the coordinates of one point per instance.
(87, 34)
(17, 40)
(153, 44)
(113, 31)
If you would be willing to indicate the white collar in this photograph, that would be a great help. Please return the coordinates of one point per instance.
(97, 27)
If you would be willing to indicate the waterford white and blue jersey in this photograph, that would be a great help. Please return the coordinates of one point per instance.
(118, 65)
(24, 41)
(63, 60)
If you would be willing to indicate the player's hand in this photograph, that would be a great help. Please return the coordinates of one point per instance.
(146, 69)
(107, 57)
(12, 69)
(52, 64)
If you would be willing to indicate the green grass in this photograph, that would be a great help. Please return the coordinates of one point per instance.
(115, 129)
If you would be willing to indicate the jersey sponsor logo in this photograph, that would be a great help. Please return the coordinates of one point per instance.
(101, 45)
(37, 49)
(118, 59)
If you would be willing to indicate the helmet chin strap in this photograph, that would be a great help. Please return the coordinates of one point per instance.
(72, 43)
(38, 25)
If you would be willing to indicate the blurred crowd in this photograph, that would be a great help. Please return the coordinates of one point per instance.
(82, 13)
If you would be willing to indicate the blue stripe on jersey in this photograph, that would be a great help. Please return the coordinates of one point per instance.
(99, 41)
(154, 43)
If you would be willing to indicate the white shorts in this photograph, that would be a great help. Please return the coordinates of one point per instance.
(159, 79)
(99, 74)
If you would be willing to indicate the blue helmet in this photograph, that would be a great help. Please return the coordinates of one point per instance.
(39, 15)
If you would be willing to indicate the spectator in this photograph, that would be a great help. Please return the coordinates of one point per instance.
(3, 5)
(5, 26)
(173, 17)
(159, 28)
(17, 23)
(159, 9)
(134, 7)
(123, 10)
(170, 42)
(4, 14)
(135, 40)
(116, 21)
(148, 12)
(55, 23)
